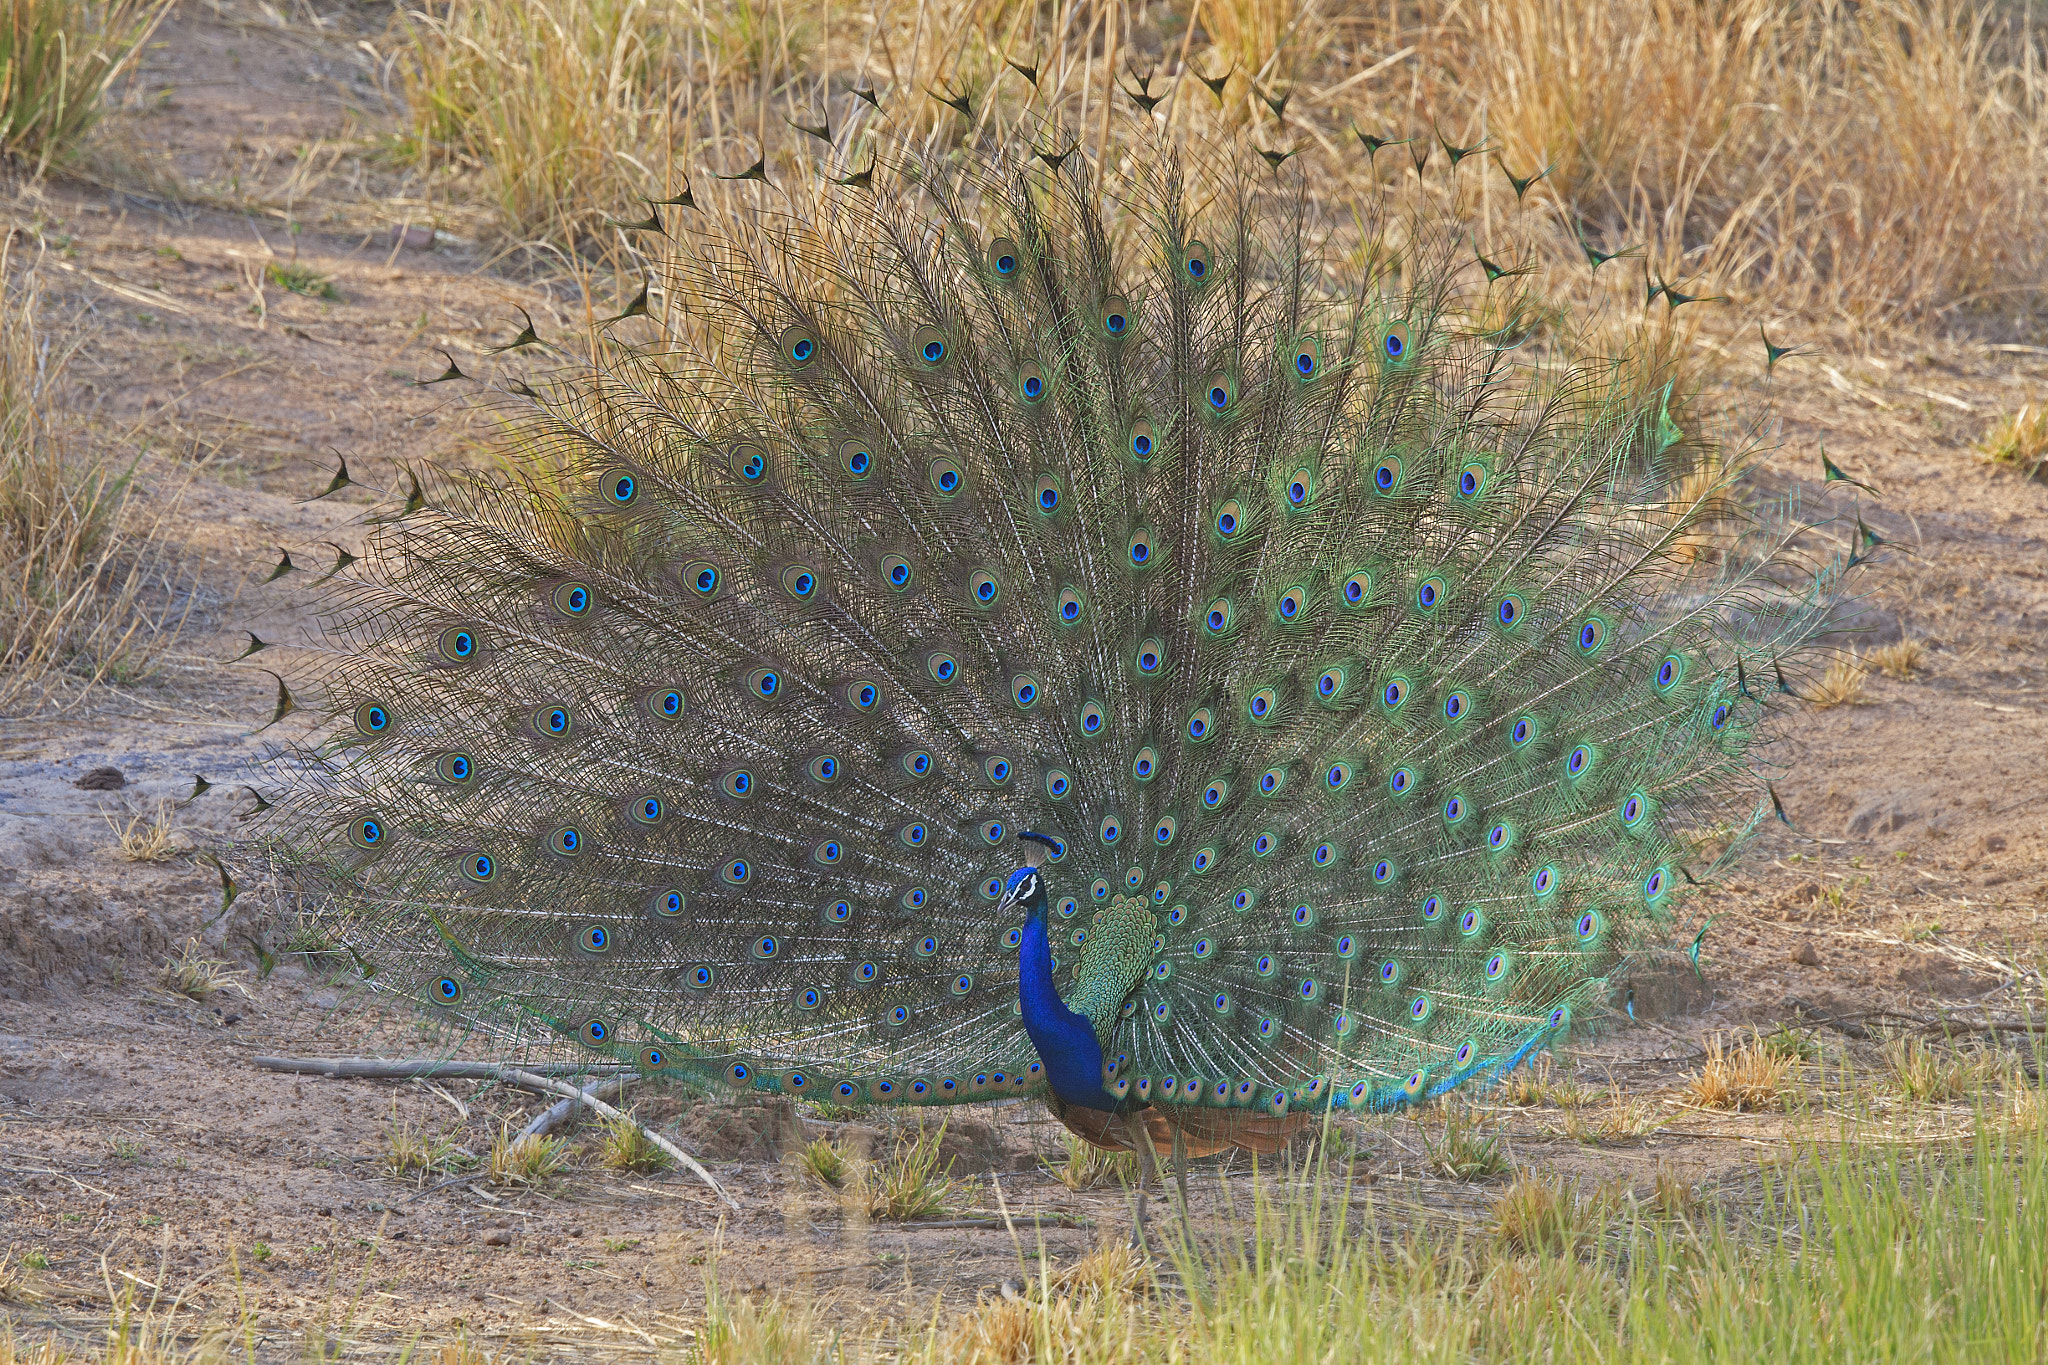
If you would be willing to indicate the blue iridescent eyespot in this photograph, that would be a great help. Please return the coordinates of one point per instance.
(1394, 341)
(1031, 383)
(454, 769)
(1577, 761)
(856, 458)
(1339, 776)
(1151, 656)
(595, 1032)
(896, 571)
(1215, 794)
(799, 582)
(480, 867)
(1144, 440)
(1264, 704)
(1357, 588)
(1204, 859)
(1401, 781)
(1394, 693)
(1220, 615)
(1496, 967)
(1718, 719)
(799, 346)
(1271, 780)
(942, 667)
(1545, 881)
(1522, 731)
(1218, 394)
(945, 476)
(917, 763)
(1500, 836)
(913, 899)
(1264, 844)
(1300, 485)
(1229, 519)
(930, 346)
(1589, 926)
(1140, 547)
(447, 991)
(992, 832)
(666, 703)
(1633, 809)
(764, 683)
(1291, 603)
(750, 462)
(1195, 261)
(1428, 593)
(1511, 611)
(1057, 783)
(700, 577)
(1454, 810)
(1472, 922)
(1243, 899)
(1383, 871)
(1471, 479)
(1669, 672)
(1386, 475)
(372, 718)
(736, 872)
(839, 912)
(1110, 829)
(1164, 831)
(669, 904)
(458, 645)
(620, 488)
(1201, 725)
(983, 588)
(1070, 606)
(1322, 855)
(1591, 634)
(827, 852)
(647, 810)
(553, 722)
(1654, 884)
(1003, 259)
(1047, 498)
(566, 842)
(1432, 909)
(1456, 705)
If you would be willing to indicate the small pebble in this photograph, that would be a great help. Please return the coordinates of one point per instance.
(1807, 956)
(102, 780)
(497, 1237)
(1012, 1289)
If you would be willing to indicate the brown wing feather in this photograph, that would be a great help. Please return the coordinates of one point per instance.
(1203, 1132)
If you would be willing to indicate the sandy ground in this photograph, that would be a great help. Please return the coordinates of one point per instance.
(140, 1147)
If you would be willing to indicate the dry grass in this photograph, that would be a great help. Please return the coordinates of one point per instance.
(58, 60)
(90, 587)
(527, 1160)
(1539, 1216)
(2018, 440)
(1464, 1148)
(1897, 660)
(1844, 684)
(1087, 1165)
(408, 1149)
(1753, 1076)
(149, 836)
(17, 1284)
(1542, 1083)
(1873, 163)
(823, 1162)
(625, 1146)
(1934, 1075)
(909, 1183)
(190, 972)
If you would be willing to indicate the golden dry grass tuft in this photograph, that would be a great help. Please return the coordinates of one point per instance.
(58, 60)
(408, 1150)
(1464, 1147)
(2018, 440)
(190, 972)
(824, 1163)
(1753, 1076)
(150, 836)
(1898, 659)
(91, 588)
(1844, 683)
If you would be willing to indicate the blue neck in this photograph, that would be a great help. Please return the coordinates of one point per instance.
(1064, 1038)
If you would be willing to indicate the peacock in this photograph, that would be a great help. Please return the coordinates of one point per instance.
(1003, 623)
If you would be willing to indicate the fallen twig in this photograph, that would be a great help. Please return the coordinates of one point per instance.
(525, 1080)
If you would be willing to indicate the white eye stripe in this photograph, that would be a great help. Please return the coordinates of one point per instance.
(1027, 888)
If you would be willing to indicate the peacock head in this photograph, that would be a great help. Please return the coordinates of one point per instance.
(1025, 887)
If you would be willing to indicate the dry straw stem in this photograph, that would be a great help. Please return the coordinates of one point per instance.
(1753, 1076)
(58, 60)
(910, 1183)
(1933, 1075)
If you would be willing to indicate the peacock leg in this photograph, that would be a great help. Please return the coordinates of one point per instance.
(1148, 1166)
(1180, 1181)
